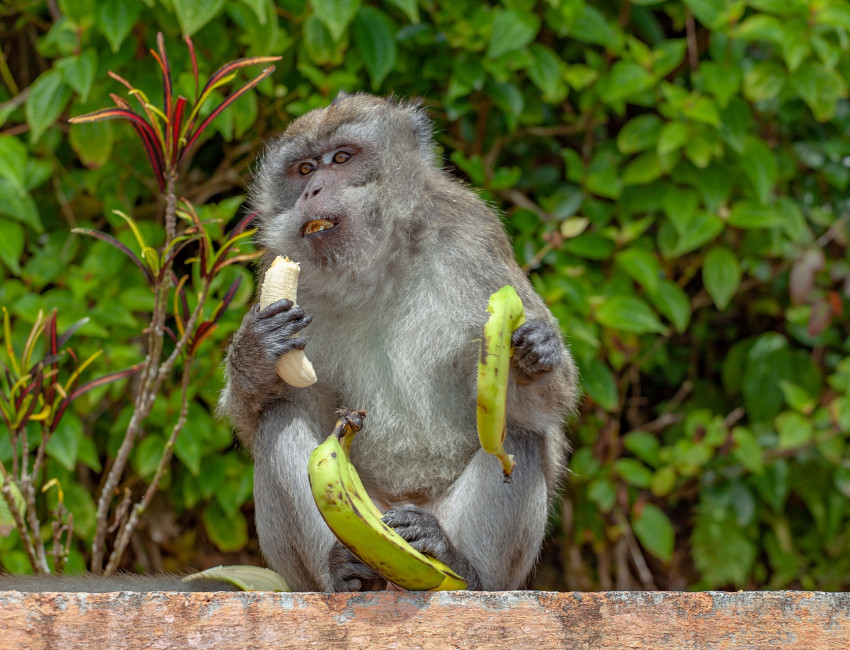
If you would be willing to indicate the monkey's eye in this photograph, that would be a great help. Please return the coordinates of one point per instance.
(341, 157)
(305, 168)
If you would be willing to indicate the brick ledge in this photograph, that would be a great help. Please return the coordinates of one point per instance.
(522, 619)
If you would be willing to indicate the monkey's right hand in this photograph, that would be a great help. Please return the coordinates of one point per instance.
(264, 337)
(348, 573)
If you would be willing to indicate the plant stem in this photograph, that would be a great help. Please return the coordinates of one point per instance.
(139, 509)
(151, 380)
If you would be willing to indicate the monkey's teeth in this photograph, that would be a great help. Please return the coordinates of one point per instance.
(318, 225)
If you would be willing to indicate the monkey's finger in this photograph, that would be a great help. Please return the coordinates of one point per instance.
(279, 307)
(288, 345)
(283, 326)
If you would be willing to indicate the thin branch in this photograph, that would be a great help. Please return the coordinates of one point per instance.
(140, 508)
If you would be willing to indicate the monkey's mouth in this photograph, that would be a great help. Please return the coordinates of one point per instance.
(318, 225)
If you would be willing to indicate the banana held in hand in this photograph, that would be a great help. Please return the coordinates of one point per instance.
(356, 521)
(281, 282)
(494, 359)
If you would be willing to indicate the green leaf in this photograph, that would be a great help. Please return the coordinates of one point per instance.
(92, 142)
(673, 136)
(147, 455)
(673, 303)
(65, 442)
(245, 577)
(336, 14)
(18, 204)
(115, 19)
(797, 398)
(410, 7)
(700, 230)
(769, 361)
(228, 533)
(795, 430)
(644, 169)
(319, 43)
(749, 214)
(625, 80)
(702, 109)
(47, 99)
(11, 244)
(598, 382)
(633, 472)
(820, 87)
(764, 81)
(639, 134)
(603, 494)
(78, 72)
(713, 13)
(722, 81)
(592, 27)
(644, 445)
(194, 14)
(6, 518)
(629, 315)
(760, 166)
(721, 275)
(376, 43)
(187, 447)
(13, 161)
(642, 266)
(761, 27)
(654, 531)
(747, 450)
(663, 481)
(512, 30)
(546, 72)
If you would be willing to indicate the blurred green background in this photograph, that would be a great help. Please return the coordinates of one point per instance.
(674, 177)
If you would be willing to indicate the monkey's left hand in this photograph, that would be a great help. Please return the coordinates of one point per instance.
(423, 532)
(537, 350)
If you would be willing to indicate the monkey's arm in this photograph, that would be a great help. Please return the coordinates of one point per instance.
(487, 530)
(252, 383)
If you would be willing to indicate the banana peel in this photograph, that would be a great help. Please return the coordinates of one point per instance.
(494, 360)
(355, 520)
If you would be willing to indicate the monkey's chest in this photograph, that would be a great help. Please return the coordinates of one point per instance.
(419, 432)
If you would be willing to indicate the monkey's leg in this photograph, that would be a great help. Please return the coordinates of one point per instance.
(294, 538)
(487, 530)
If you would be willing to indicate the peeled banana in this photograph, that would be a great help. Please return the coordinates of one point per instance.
(281, 282)
(356, 521)
(494, 358)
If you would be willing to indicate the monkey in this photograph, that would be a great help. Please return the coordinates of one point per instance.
(96, 584)
(398, 259)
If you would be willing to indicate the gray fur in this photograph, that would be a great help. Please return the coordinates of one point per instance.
(88, 583)
(398, 293)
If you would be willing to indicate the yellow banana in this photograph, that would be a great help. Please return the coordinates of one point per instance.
(281, 282)
(356, 521)
(494, 358)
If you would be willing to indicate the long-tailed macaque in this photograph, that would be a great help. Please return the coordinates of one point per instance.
(398, 260)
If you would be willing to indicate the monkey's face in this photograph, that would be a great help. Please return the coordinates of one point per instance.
(333, 189)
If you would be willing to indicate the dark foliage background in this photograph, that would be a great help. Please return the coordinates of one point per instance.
(674, 176)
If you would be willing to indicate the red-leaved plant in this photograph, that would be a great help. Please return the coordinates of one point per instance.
(167, 133)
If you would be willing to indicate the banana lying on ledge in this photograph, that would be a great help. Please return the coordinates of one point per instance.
(356, 521)
(494, 360)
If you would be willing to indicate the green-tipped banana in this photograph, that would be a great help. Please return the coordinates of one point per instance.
(494, 359)
(350, 514)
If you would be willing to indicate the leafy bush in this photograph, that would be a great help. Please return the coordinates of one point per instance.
(673, 175)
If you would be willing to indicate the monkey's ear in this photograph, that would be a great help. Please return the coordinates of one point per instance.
(423, 128)
(339, 97)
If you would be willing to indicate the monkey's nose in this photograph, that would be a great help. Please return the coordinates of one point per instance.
(312, 192)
